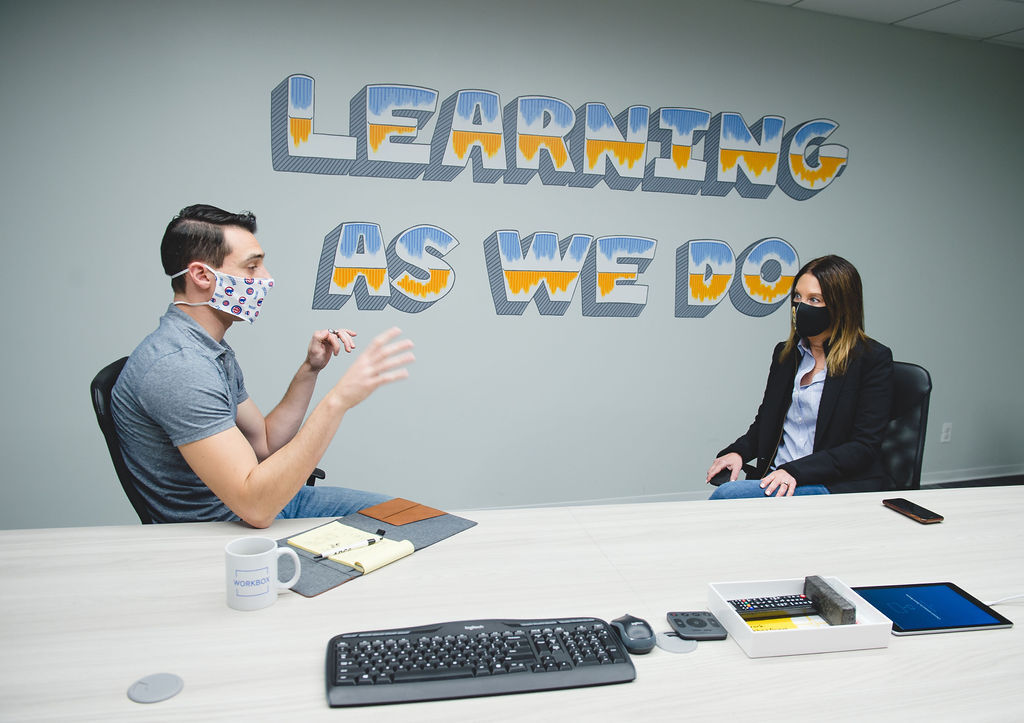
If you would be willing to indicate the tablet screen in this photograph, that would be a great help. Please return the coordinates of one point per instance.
(937, 607)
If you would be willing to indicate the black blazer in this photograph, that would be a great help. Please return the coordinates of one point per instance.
(852, 416)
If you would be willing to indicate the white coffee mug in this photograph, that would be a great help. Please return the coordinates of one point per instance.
(251, 572)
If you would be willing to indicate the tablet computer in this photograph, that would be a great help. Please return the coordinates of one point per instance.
(932, 607)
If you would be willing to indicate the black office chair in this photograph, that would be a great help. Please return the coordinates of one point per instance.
(903, 439)
(101, 387)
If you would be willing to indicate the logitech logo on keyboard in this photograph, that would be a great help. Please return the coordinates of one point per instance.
(473, 627)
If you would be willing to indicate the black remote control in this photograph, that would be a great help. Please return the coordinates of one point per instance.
(780, 606)
(697, 625)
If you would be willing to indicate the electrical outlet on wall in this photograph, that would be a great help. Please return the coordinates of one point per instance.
(947, 432)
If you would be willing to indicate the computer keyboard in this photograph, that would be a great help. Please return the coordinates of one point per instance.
(469, 658)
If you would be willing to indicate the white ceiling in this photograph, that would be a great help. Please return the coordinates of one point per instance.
(990, 21)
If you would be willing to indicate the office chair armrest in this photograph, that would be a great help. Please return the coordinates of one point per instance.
(723, 476)
(317, 474)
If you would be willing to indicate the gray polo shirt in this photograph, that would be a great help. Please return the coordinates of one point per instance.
(179, 386)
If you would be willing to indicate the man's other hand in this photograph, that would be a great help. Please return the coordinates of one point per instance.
(383, 362)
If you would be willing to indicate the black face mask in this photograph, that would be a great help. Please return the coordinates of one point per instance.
(810, 320)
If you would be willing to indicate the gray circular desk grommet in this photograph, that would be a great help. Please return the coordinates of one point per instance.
(155, 688)
(674, 644)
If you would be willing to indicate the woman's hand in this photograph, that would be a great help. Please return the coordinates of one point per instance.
(780, 482)
(732, 461)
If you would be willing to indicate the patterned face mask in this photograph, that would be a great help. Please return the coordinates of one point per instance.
(237, 296)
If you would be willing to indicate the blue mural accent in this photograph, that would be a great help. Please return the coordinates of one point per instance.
(359, 238)
(558, 112)
(300, 92)
(612, 247)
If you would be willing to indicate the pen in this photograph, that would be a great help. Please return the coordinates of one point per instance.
(355, 546)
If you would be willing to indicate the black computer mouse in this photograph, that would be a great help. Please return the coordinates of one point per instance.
(636, 634)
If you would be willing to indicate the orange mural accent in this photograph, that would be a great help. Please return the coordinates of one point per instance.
(701, 291)
(757, 161)
(606, 280)
(300, 129)
(344, 277)
(377, 133)
(529, 145)
(462, 140)
(437, 283)
(768, 292)
(828, 167)
(624, 151)
(681, 156)
(523, 281)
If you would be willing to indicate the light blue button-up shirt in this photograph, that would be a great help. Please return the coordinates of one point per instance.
(802, 417)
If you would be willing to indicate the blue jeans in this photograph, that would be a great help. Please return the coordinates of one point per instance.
(328, 501)
(752, 488)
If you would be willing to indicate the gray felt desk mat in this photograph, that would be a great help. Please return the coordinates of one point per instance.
(321, 575)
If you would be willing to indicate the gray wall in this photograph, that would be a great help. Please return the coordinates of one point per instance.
(117, 114)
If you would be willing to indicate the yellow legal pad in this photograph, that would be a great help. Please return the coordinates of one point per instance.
(365, 559)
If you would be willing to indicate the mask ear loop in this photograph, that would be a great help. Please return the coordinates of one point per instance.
(185, 271)
(191, 303)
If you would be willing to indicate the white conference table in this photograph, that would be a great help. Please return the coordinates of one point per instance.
(85, 612)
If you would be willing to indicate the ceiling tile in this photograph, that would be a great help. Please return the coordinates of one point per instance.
(993, 21)
(1015, 39)
(879, 11)
(971, 18)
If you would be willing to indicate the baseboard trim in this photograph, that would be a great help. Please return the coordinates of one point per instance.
(931, 479)
(974, 473)
(686, 496)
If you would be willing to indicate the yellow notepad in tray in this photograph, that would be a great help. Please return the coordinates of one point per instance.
(365, 559)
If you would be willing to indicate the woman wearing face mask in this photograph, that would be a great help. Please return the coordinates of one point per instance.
(819, 427)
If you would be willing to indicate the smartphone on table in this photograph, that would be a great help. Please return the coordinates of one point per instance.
(913, 511)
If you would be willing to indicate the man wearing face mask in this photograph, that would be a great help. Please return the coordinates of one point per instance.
(826, 404)
(198, 444)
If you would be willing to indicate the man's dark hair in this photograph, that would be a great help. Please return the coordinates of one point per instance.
(197, 234)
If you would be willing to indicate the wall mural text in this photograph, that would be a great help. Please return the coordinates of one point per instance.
(672, 150)
(545, 137)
